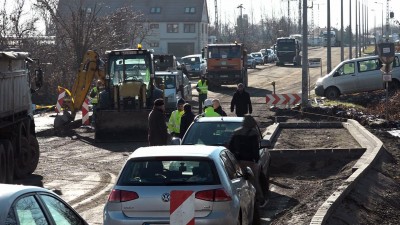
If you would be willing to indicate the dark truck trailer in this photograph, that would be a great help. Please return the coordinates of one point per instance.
(288, 51)
(226, 64)
(19, 148)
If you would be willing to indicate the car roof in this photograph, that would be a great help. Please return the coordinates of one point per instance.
(366, 58)
(9, 192)
(190, 56)
(177, 150)
(219, 119)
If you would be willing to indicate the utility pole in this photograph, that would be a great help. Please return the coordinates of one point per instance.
(312, 21)
(300, 16)
(304, 59)
(341, 32)
(328, 45)
(351, 35)
(241, 23)
(359, 29)
(387, 20)
(356, 40)
(216, 20)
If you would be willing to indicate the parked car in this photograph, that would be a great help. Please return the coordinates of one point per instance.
(35, 205)
(217, 131)
(195, 65)
(251, 62)
(357, 75)
(142, 193)
(258, 57)
(271, 55)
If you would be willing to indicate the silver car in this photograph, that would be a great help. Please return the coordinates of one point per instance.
(143, 192)
(34, 205)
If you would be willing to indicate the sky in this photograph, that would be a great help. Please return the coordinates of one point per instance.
(257, 9)
(228, 10)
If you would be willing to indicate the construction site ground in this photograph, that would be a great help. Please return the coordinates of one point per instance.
(83, 171)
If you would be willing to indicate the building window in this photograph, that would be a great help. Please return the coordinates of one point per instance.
(154, 44)
(172, 28)
(154, 26)
(189, 28)
(190, 10)
(155, 10)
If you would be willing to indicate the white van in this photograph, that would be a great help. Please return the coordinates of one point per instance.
(356, 75)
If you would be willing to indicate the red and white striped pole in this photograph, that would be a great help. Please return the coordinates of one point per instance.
(85, 112)
(182, 208)
(60, 100)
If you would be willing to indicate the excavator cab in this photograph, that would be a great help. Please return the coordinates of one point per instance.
(124, 105)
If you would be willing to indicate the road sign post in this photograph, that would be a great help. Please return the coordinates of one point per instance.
(386, 55)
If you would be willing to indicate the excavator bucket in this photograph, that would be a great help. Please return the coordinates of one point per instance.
(114, 125)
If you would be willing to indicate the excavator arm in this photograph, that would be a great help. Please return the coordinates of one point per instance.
(90, 68)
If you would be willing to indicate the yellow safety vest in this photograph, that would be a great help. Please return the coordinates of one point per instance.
(203, 87)
(95, 99)
(209, 112)
(174, 123)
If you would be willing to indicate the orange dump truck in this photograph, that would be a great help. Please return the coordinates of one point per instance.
(226, 64)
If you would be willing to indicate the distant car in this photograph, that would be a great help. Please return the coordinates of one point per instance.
(251, 62)
(258, 57)
(142, 194)
(195, 65)
(271, 55)
(217, 131)
(35, 205)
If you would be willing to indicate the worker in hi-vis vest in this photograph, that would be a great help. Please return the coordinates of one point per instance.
(174, 123)
(202, 88)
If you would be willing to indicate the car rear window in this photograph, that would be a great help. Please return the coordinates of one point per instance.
(210, 133)
(169, 171)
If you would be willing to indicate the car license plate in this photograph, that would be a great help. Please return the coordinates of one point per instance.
(224, 75)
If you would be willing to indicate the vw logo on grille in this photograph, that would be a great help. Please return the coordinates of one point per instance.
(165, 197)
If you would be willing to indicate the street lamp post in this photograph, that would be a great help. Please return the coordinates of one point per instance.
(241, 22)
(382, 16)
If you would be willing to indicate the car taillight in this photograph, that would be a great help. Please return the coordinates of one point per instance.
(214, 195)
(122, 196)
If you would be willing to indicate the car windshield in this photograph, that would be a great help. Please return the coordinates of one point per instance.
(223, 52)
(210, 133)
(191, 60)
(168, 81)
(286, 45)
(167, 171)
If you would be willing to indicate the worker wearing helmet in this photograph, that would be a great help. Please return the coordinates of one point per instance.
(209, 109)
(174, 123)
(94, 98)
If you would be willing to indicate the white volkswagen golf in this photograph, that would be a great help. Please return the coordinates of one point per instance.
(221, 191)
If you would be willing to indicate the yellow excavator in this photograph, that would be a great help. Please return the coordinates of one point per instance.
(126, 101)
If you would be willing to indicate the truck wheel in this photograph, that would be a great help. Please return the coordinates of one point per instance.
(21, 166)
(3, 165)
(9, 153)
(34, 153)
(332, 93)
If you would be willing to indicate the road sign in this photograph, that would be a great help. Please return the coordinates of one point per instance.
(387, 77)
(314, 62)
(283, 99)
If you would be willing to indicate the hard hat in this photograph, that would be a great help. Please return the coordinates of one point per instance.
(208, 102)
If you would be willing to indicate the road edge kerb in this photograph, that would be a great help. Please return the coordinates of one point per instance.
(374, 147)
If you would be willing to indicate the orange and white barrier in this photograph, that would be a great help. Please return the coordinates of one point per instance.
(85, 112)
(182, 208)
(60, 99)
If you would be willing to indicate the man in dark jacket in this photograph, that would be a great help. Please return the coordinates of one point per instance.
(158, 134)
(245, 145)
(241, 100)
(186, 119)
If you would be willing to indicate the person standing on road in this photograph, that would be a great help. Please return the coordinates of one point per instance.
(94, 98)
(202, 88)
(217, 107)
(241, 100)
(157, 134)
(186, 119)
(209, 109)
(245, 145)
(174, 123)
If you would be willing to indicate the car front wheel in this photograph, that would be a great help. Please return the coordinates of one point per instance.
(332, 93)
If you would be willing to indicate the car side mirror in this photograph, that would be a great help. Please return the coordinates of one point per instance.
(264, 143)
(247, 173)
(176, 141)
(336, 74)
